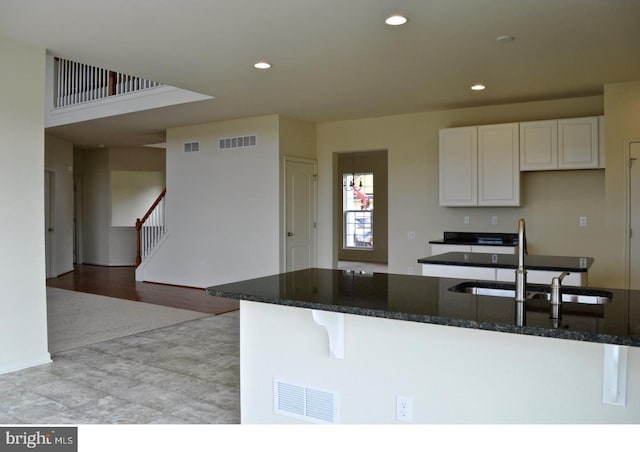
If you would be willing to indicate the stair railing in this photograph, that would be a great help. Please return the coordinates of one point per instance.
(150, 228)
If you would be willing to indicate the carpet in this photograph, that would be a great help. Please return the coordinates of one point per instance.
(76, 319)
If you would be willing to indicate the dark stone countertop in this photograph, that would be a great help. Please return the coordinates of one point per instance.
(478, 238)
(531, 261)
(428, 300)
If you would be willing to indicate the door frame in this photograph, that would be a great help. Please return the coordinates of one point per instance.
(283, 226)
(627, 209)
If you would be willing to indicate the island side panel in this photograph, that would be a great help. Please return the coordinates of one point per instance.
(453, 375)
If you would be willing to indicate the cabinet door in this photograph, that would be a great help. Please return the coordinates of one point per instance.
(441, 248)
(578, 143)
(498, 165)
(601, 151)
(539, 145)
(459, 272)
(459, 166)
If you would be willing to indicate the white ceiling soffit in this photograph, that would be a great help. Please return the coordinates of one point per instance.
(334, 60)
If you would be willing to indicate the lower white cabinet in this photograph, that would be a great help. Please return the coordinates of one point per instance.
(543, 277)
(441, 248)
(501, 274)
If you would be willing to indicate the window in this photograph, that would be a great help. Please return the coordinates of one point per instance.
(357, 207)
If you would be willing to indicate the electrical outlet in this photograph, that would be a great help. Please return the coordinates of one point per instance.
(404, 409)
(466, 220)
(583, 222)
(411, 235)
(494, 220)
(410, 270)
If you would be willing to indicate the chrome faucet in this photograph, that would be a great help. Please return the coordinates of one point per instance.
(521, 273)
(556, 296)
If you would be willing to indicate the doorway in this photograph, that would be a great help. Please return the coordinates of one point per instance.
(634, 215)
(361, 207)
(300, 214)
(49, 190)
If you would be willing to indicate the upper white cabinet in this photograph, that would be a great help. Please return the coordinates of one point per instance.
(559, 144)
(601, 151)
(498, 165)
(538, 145)
(578, 143)
(479, 166)
(459, 166)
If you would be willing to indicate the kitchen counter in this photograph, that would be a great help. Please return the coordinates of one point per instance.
(532, 262)
(428, 300)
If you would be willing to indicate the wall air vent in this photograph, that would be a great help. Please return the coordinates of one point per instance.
(248, 141)
(193, 146)
(305, 403)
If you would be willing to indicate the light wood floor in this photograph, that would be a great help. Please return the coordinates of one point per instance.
(120, 282)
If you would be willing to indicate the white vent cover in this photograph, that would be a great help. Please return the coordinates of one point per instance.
(192, 146)
(305, 403)
(248, 141)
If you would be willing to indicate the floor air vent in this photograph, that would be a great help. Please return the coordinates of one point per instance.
(305, 403)
(248, 141)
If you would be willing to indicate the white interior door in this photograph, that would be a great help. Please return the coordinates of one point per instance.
(634, 215)
(300, 205)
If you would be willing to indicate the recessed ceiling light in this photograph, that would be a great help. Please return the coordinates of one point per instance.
(478, 87)
(505, 39)
(262, 65)
(395, 20)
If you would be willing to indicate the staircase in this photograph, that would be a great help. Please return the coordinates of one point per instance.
(150, 228)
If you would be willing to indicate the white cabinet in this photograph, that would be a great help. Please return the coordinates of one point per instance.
(543, 277)
(459, 166)
(578, 143)
(601, 151)
(538, 145)
(498, 165)
(501, 274)
(459, 271)
(441, 248)
(559, 144)
(479, 166)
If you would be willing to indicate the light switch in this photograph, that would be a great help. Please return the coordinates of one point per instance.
(583, 222)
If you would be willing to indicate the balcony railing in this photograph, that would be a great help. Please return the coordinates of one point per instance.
(76, 83)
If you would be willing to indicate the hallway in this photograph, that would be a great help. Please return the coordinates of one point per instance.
(120, 282)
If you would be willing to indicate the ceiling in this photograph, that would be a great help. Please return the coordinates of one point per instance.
(332, 59)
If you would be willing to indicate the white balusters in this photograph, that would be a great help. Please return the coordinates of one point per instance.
(77, 83)
(152, 230)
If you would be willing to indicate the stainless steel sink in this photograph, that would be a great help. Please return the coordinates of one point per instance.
(601, 297)
(507, 290)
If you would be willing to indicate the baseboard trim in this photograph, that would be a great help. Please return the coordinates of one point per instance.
(14, 366)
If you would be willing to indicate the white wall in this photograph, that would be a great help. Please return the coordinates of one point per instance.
(552, 201)
(96, 206)
(58, 158)
(23, 310)
(222, 207)
(454, 375)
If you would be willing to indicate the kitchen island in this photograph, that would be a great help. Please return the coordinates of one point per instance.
(363, 340)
